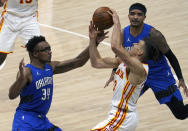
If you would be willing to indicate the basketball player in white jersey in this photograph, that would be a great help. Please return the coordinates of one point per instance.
(18, 18)
(129, 77)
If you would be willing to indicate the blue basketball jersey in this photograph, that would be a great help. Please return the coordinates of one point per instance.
(37, 96)
(159, 72)
(129, 39)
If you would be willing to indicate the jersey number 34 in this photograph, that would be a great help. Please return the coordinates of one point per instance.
(46, 94)
(25, 1)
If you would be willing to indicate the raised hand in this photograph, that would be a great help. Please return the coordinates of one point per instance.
(94, 33)
(110, 80)
(22, 68)
(184, 86)
(114, 15)
(101, 36)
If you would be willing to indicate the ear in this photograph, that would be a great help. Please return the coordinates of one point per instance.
(129, 16)
(144, 17)
(35, 54)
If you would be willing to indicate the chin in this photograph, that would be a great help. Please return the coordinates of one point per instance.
(47, 61)
(135, 25)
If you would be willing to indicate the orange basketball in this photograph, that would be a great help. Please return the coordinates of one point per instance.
(102, 19)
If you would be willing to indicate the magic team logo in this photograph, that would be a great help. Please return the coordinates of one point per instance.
(43, 82)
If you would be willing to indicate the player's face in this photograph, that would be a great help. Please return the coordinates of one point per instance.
(136, 17)
(44, 53)
(137, 49)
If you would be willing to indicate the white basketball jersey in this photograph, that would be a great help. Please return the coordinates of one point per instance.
(21, 7)
(125, 95)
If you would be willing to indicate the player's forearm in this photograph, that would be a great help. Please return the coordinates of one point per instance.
(83, 57)
(174, 63)
(116, 36)
(94, 54)
(116, 45)
(64, 66)
(16, 87)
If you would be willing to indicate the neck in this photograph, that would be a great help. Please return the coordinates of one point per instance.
(37, 64)
(136, 30)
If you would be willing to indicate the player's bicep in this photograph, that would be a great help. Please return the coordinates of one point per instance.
(27, 76)
(59, 67)
(159, 40)
(64, 66)
(112, 62)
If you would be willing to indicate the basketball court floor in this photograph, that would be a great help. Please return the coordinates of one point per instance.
(79, 100)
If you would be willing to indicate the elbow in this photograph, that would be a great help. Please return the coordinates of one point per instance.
(96, 64)
(11, 97)
(114, 48)
(93, 64)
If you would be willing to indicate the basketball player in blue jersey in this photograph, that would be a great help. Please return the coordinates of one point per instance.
(34, 84)
(160, 78)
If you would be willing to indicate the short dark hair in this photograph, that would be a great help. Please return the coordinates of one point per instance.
(152, 51)
(33, 42)
(138, 6)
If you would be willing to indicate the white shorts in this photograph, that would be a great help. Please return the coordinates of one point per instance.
(12, 26)
(126, 121)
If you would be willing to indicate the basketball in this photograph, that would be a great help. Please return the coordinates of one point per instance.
(102, 19)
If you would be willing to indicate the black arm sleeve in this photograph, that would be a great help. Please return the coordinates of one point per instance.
(174, 63)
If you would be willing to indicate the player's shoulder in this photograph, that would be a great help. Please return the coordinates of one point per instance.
(53, 64)
(28, 73)
(148, 25)
(126, 27)
(155, 32)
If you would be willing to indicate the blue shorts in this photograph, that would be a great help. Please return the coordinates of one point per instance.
(162, 85)
(30, 121)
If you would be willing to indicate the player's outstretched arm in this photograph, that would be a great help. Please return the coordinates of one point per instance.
(23, 77)
(96, 60)
(80, 60)
(165, 49)
(67, 65)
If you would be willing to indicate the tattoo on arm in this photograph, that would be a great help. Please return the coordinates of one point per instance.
(165, 49)
(64, 66)
(160, 40)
